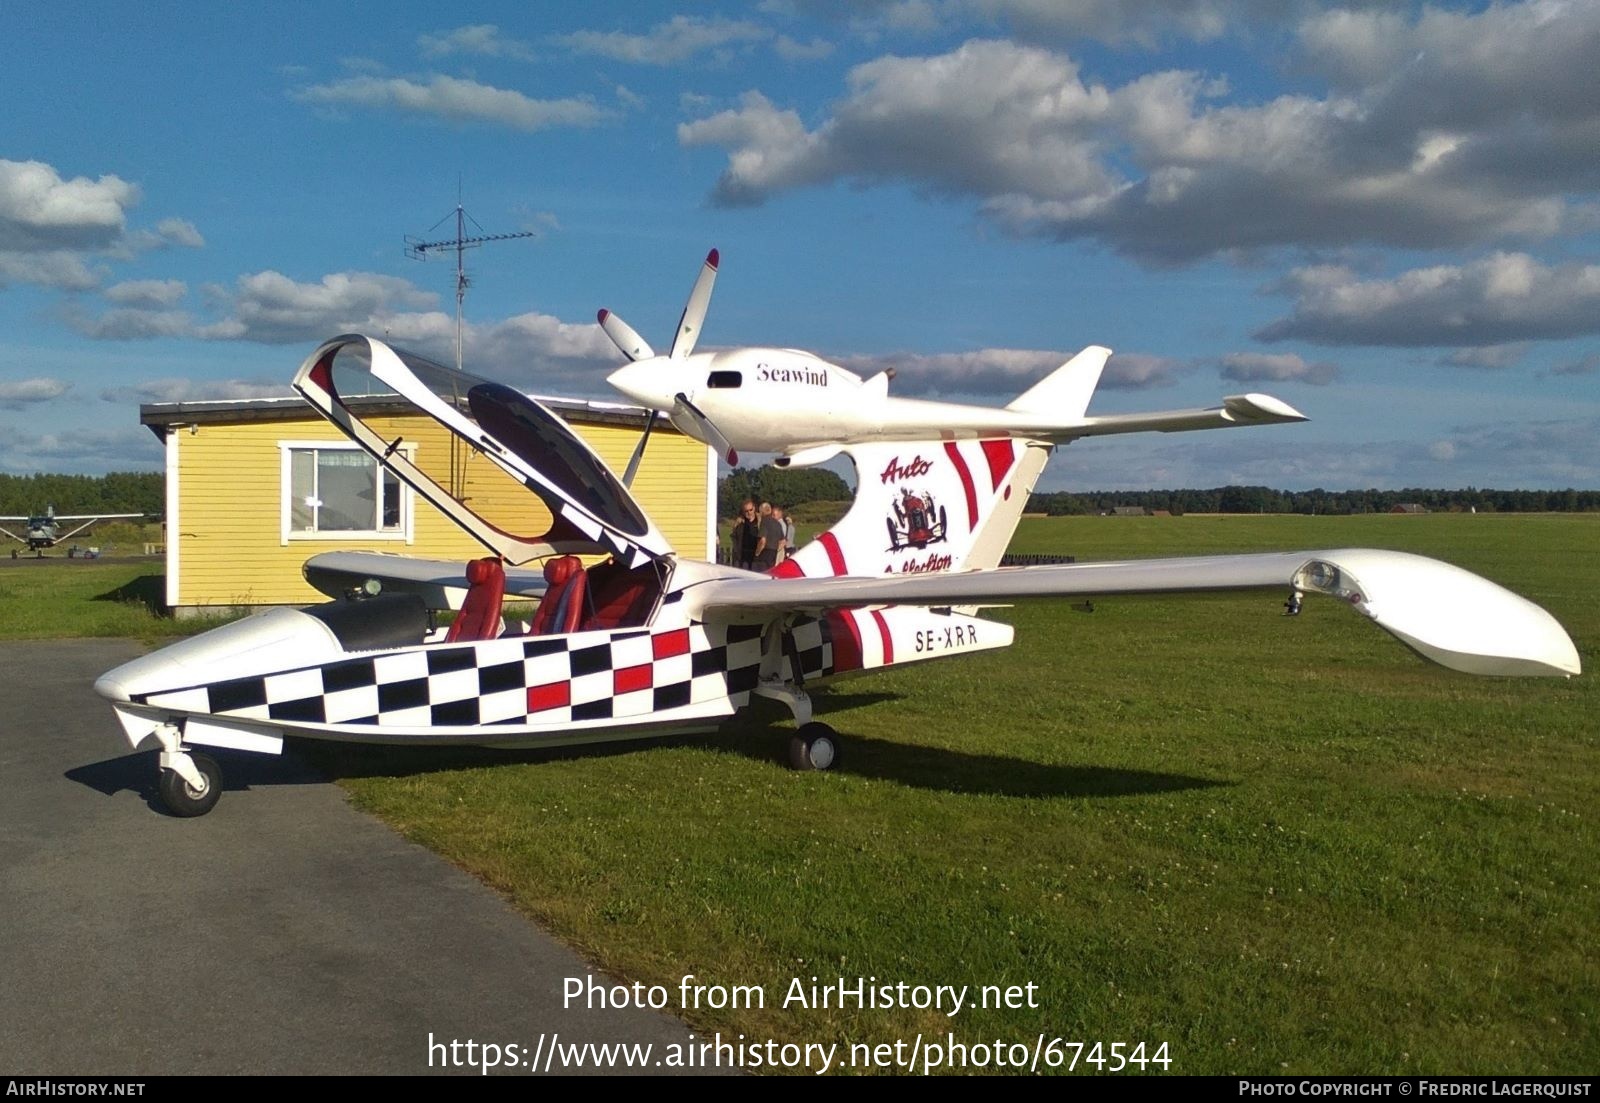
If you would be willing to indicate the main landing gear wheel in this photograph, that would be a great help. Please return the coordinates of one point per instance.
(183, 799)
(814, 747)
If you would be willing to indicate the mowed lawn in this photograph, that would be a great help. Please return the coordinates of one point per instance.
(1278, 845)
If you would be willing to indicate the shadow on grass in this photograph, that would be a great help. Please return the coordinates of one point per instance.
(761, 734)
(149, 590)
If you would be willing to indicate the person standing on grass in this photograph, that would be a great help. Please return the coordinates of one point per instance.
(746, 537)
(782, 516)
(771, 542)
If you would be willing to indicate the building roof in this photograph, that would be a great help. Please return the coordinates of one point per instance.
(161, 416)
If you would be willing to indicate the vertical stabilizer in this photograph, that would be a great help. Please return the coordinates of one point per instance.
(1065, 392)
(921, 506)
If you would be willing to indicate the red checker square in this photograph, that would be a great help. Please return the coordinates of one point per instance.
(630, 679)
(555, 695)
(668, 644)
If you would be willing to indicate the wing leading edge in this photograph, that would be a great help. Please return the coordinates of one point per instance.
(1446, 614)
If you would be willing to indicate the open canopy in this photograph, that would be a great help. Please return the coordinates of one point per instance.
(592, 511)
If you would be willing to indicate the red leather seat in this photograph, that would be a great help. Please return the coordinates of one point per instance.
(561, 608)
(479, 618)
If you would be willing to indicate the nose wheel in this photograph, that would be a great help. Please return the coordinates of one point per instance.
(815, 746)
(193, 787)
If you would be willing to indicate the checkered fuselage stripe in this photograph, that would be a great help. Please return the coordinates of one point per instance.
(547, 682)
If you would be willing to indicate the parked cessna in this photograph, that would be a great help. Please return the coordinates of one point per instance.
(646, 641)
(797, 404)
(43, 530)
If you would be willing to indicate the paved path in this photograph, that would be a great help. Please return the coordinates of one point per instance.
(283, 932)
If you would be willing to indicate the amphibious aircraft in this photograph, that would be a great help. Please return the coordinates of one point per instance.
(799, 405)
(43, 530)
(635, 639)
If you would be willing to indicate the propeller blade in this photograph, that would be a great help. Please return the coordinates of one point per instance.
(694, 313)
(638, 450)
(700, 427)
(624, 337)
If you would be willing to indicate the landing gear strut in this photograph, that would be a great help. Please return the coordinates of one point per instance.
(184, 798)
(191, 780)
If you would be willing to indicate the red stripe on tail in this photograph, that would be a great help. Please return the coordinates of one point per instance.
(888, 640)
(953, 450)
(999, 453)
(830, 544)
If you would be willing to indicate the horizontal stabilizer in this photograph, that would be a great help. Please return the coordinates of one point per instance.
(1446, 614)
(1236, 410)
(1065, 392)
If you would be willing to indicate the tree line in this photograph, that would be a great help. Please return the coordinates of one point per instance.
(1262, 499)
(118, 492)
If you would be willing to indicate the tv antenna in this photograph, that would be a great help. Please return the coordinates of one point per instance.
(417, 249)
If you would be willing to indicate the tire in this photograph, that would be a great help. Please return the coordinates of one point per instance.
(182, 799)
(814, 747)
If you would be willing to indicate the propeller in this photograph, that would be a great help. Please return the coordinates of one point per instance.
(708, 432)
(683, 413)
(625, 337)
(638, 451)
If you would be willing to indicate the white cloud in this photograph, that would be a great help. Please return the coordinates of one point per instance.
(1493, 357)
(1584, 365)
(483, 39)
(146, 293)
(1004, 373)
(1484, 134)
(271, 308)
(74, 451)
(41, 212)
(1252, 367)
(177, 389)
(18, 394)
(1501, 298)
(792, 50)
(59, 268)
(179, 231)
(454, 99)
(669, 43)
(133, 323)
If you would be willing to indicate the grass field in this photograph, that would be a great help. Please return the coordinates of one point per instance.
(1279, 845)
(63, 597)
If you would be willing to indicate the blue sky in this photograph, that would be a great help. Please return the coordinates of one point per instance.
(1385, 214)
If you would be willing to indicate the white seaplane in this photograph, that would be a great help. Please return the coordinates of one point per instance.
(808, 410)
(643, 641)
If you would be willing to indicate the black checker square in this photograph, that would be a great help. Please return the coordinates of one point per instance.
(543, 646)
(240, 693)
(351, 675)
(743, 679)
(672, 696)
(456, 713)
(591, 660)
(593, 710)
(497, 679)
(403, 695)
(714, 661)
(739, 633)
(308, 710)
(445, 660)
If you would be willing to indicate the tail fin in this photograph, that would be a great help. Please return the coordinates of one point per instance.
(1065, 392)
(926, 506)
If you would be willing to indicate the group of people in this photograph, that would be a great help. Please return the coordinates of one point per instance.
(762, 537)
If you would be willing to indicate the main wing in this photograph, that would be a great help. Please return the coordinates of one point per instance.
(1446, 614)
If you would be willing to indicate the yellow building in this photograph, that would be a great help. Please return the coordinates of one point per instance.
(257, 487)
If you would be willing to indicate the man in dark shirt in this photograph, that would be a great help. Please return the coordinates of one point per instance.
(771, 541)
(746, 535)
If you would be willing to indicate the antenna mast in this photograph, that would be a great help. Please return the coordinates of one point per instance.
(417, 249)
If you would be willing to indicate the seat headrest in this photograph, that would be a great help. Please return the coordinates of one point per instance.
(558, 571)
(480, 571)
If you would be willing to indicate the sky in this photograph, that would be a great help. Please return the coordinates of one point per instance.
(1386, 214)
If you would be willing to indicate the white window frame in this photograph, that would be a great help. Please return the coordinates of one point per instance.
(287, 534)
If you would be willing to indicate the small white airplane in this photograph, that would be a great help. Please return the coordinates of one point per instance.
(797, 404)
(648, 642)
(43, 530)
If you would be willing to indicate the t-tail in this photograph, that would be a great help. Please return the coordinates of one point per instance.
(924, 506)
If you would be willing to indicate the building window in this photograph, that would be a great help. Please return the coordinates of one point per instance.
(335, 490)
